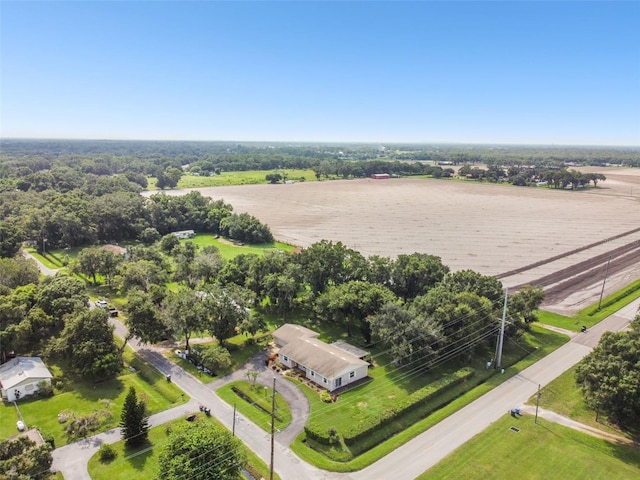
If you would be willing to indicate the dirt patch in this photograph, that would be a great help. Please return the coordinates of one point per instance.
(493, 229)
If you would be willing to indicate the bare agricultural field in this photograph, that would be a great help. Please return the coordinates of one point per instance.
(490, 228)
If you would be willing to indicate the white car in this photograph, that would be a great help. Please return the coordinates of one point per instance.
(101, 304)
(20, 425)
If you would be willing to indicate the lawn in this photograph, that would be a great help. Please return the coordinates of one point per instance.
(229, 250)
(563, 396)
(143, 463)
(255, 404)
(81, 396)
(249, 177)
(543, 450)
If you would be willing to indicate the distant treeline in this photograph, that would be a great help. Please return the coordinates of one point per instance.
(54, 219)
(105, 157)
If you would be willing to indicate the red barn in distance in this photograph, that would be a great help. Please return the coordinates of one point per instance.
(380, 176)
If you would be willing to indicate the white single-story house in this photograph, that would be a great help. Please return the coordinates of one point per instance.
(21, 376)
(184, 234)
(289, 332)
(327, 365)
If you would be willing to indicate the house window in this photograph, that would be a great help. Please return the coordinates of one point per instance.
(324, 380)
(312, 373)
(352, 374)
(285, 358)
(338, 382)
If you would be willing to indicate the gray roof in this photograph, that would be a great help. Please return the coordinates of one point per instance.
(289, 332)
(19, 369)
(327, 360)
(347, 347)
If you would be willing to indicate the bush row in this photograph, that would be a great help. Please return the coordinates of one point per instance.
(357, 431)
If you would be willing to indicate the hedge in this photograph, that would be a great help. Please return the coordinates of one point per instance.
(357, 431)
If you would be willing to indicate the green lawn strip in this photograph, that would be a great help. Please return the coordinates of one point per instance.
(143, 462)
(538, 342)
(254, 402)
(612, 303)
(249, 177)
(47, 260)
(563, 396)
(592, 315)
(82, 397)
(543, 450)
(229, 250)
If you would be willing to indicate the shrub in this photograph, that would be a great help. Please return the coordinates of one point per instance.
(334, 437)
(45, 389)
(325, 396)
(106, 453)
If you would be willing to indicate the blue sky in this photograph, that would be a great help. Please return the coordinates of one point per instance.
(545, 72)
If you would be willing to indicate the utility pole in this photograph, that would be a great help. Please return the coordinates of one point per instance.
(603, 282)
(273, 426)
(233, 430)
(537, 404)
(501, 336)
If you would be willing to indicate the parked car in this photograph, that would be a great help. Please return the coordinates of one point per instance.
(102, 304)
(20, 425)
(113, 311)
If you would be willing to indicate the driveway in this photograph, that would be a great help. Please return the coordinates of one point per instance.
(43, 268)
(297, 401)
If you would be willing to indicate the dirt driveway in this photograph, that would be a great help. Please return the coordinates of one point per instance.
(489, 228)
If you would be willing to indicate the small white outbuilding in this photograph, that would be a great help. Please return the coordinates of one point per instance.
(22, 376)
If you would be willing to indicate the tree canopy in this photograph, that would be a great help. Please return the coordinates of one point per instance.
(609, 376)
(88, 344)
(201, 451)
(22, 459)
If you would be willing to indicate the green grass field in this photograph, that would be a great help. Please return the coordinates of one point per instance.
(229, 250)
(249, 177)
(143, 462)
(537, 451)
(82, 397)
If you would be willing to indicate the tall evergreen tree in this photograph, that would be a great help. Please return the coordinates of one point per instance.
(134, 422)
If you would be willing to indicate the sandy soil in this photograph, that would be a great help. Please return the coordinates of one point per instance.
(493, 229)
